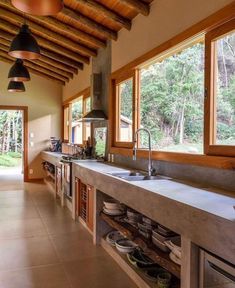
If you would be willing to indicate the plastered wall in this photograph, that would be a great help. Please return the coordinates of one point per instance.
(44, 100)
(80, 82)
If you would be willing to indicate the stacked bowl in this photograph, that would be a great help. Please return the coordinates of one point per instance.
(113, 208)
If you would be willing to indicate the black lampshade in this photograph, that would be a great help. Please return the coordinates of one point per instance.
(39, 7)
(14, 86)
(19, 72)
(24, 45)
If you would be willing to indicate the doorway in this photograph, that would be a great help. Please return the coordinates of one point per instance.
(13, 142)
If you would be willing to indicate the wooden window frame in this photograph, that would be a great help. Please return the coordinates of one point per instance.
(118, 81)
(210, 84)
(215, 158)
(84, 94)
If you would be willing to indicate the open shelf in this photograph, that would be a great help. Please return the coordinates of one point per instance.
(151, 250)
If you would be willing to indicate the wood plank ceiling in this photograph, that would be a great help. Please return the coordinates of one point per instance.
(70, 38)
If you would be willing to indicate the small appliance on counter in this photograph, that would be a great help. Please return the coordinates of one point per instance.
(55, 144)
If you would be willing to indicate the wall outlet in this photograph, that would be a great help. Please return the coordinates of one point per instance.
(30, 171)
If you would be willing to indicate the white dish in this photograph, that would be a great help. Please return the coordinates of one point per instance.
(176, 250)
(174, 258)
(125, 245)
(112, 205)
(160, 245)
(114, 236)
(113, 212)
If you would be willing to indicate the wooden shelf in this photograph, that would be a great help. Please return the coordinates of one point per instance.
(151, 250)
(49, 174)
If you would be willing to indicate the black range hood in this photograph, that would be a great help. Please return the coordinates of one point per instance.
(96, 113)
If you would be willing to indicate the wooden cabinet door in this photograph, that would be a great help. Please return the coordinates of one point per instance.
(90, 216)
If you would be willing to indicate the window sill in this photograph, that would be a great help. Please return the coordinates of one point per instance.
(183, 158)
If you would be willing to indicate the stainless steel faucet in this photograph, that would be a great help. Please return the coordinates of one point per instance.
(150, 165)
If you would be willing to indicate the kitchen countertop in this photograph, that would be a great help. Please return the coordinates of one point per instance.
(190, 211)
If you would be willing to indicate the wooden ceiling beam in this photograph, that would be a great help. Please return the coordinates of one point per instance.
(96, 27)
(59, 27)
(36, 29)
(13, 29)
(106, 12)
(138, 5)
(7, 60)
(43, 64)
(63, 67)
(34, 66)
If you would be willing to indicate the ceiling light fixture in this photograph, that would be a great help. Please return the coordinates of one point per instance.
(19, 72)
(14, 86)
(39, 7)
(24, 45)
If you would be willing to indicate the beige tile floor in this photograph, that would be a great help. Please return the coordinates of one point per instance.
(42, 247)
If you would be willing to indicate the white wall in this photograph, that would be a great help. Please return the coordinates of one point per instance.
(167, 18)
(44, 101)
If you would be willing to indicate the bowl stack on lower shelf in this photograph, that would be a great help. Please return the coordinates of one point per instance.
(136, 236)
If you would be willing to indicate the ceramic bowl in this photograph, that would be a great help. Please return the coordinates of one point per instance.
(125, 245)
(113, 212)
(112, 205)
(134, 216)
(146, 235)
(160, 245)
(114, 236)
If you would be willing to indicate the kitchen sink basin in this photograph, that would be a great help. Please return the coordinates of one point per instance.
(137, 176)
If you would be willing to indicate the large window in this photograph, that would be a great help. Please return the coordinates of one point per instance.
(76, 131)
(184, 93)
(77, 127)
(124, 102)
(225, 89)
(172, 101)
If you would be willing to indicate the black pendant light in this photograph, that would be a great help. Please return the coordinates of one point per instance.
(19, 72)
(24, 45)
(39, 7)
(14, 86)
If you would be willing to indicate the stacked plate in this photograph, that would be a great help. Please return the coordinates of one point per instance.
(161, 235)
(113, 208)
(174, 246)
(133, 217)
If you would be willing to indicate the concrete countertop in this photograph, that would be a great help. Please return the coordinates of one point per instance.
(190, 211)
(210, 201)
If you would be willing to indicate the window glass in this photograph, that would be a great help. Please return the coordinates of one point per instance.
(225, 90)
(66, 123)
(172, 101)
(125, 117)
(88, 104)
(77, 127)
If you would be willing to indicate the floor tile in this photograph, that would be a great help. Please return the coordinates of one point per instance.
(22, 228)
(100, 272)
(38, 277)
(26, 252)
(53, 210)
(58, 226)
(16, 201)
(17, 213)
(76, 246)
